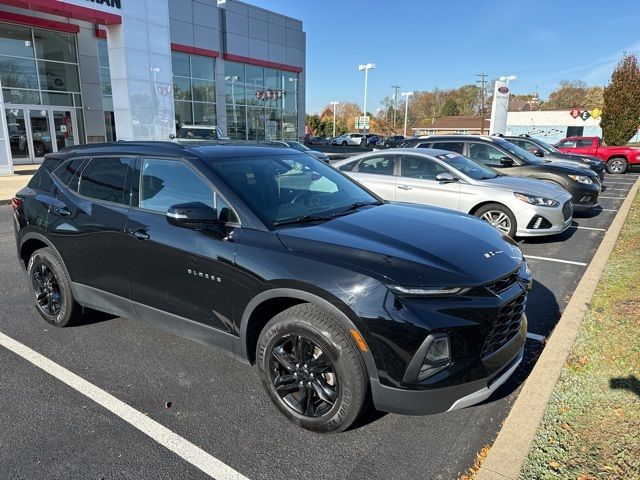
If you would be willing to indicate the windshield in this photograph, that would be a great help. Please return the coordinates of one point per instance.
(470, 168)
(212, 133)
(298, 146)
(291, 188)
(521, 153)
(548, 147)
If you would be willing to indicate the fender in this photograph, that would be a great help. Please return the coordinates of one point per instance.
(338, 314)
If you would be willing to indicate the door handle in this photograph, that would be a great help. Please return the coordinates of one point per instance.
(404, 187)
(141, 234)
(62, 211)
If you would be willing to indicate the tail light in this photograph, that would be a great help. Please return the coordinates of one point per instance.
(16, 203)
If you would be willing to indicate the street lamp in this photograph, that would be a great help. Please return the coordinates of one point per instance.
(406, 110)
(366, 68)
(334, 104)
(508, 79)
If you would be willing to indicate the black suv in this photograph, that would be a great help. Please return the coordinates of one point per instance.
(551, 154)
(507, 158)
(282, 261)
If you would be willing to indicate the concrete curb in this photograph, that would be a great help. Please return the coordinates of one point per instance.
(509, 451)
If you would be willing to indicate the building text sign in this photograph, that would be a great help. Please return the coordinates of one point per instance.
(108, 3)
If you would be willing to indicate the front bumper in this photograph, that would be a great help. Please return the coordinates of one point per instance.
(584, 197)
(425, 402)
(541, 221)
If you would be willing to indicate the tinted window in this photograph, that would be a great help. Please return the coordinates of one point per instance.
(348, 167)
(420, 167)
(457, 147)
(104, 178)
(483, 153)
(165, 183)
(585, 142)
(382, 165)
(198, 133)
(69, 172)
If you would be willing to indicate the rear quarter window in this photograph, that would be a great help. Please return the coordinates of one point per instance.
(69, 172)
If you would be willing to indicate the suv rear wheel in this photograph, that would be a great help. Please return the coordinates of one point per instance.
(52, 289)
(312, 370)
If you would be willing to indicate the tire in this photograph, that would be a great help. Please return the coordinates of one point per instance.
(336, 391)
(617, 165)
(503, 218)
(344, 144)
(51, 287)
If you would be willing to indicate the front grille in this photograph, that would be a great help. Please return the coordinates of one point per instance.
(567, 210)
(506, 325)
(503, 283)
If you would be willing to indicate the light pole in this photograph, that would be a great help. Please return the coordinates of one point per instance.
(366, 68)
(406, 109)
(335, 105)
(508, 79)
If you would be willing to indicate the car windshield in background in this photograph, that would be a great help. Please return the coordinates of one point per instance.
(546, 146)
(470, 168)
(292, 188)
(298, 146)
(521, 153)
(198, 133)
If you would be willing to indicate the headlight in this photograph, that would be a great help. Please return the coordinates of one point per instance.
(538, 201)
(581, 179)
(426, 291)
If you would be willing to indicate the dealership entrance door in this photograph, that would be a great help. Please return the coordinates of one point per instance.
(36, 130)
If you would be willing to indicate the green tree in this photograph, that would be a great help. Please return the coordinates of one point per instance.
(621, 110)
(569, 94)
(450, 108)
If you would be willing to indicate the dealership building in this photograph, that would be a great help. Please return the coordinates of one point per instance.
(82, 71)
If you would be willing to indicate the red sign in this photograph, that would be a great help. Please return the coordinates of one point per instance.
(575, 113)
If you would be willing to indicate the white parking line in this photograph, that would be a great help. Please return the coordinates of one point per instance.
(609, 209)
(612, 198)
(569, 262)
(535, 336)
(165, 437)
(578, 227)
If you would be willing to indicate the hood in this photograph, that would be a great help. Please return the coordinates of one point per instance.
(571, 163)
(410, 245)
(569, 169)
(316, 154)
(529, 186)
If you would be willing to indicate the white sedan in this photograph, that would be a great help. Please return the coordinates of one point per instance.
(516, 206)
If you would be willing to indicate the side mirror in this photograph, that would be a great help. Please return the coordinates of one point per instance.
(192, 215)
(446, 177)
(538, 152)
(172, 136)
(506, 161)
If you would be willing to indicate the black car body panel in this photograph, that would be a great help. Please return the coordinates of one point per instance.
(220, 284)
(520, 163)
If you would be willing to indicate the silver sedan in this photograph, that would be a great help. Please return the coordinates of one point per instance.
(517, 206)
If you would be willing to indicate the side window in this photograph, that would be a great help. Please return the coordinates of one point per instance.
(382, 165)
(585, 142)
(104, 179)
(567, 144)
(424, 145)
(164, 183)
(457, 147)
(348, 167)
(420, 167)
(69, 172)
(486, 154)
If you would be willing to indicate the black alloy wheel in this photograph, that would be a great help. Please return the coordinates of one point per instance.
(303, 376)
(46, 290)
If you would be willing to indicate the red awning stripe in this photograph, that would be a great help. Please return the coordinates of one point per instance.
(67, 10)
(101, 33)
(177, 47)
(261, 63)
(38, 22)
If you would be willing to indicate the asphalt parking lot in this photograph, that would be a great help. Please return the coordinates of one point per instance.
(49, 430)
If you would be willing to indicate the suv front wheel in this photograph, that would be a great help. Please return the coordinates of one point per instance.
(312, 370)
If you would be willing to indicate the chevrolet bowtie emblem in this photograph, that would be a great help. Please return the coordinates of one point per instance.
(492, 254)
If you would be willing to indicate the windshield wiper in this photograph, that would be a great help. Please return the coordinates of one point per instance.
(357, 205)
(304, 219)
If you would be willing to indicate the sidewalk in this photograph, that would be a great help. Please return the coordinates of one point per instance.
(10, 184)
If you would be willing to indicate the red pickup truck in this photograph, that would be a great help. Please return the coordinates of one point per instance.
(618, 159)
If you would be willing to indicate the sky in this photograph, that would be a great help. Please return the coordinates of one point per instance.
(423, 44)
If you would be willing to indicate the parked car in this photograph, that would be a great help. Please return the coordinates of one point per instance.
(320, 140)
(282, 261)
(617, 159)
(549, 153)
(509, 159)
(302, 148)
(348, 139)
(516, 206)
(198, 133)
(373, 139)
(393, 141)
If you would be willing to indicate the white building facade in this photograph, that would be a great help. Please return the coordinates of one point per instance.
(552, 125)
(82, 71)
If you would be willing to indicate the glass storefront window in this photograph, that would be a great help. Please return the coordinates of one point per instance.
(16, 41)
(271, 78)
(105, 81)
(58, 76)
(62, 99)
(184, 113)
(25, 97)
(234, 93)
(103, 53)
(204, 91)
(204, 114)
(181, 88)
(202, 68)
(255, 75)
(55, 46)
(194, 89)
(18, 72)
(233, 69)
(180, 64)
(107, 91)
